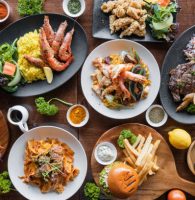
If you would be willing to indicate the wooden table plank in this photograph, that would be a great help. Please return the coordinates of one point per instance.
(71, 91)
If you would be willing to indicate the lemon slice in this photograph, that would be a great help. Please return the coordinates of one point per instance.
(49, 74)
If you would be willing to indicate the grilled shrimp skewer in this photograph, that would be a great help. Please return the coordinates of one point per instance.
(38, 62)
(49, 54)
(48, 30)
(59, 37)
(65, 51)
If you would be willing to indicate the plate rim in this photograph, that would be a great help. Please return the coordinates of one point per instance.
(54, 127)
(128, 41)
(42, 14)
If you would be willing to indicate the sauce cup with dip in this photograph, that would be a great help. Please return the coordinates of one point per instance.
(4, 11)
(156, 116)
(105, 153)
(77, 115)
(74, 8)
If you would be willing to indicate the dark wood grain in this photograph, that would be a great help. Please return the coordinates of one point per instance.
(71, 92)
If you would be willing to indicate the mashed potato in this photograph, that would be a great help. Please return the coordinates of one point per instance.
(29, 44)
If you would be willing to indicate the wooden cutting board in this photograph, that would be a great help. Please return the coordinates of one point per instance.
(4, 135)
(165, 179)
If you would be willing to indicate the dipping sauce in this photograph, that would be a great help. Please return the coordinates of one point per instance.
(77, 114)
(3, 11)
(74, 6)
(105, 153)
(156, 115)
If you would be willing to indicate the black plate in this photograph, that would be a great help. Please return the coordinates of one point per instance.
(174, 57)
(79, 49)
(101, 26)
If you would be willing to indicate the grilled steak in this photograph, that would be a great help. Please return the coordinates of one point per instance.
(182, 80)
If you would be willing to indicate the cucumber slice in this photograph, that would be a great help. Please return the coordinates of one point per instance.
(163, 24)
(16, 78)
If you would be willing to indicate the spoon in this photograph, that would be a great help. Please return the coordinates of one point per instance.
(191, 157)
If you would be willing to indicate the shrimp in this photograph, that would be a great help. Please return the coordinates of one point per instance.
(65, 51)
(59, 37)
(35, 61)
(48, 30)
(134, 77)
(49, 55)
(126, 92)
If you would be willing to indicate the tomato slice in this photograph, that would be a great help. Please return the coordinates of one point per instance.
(164, 3)
(9, 69)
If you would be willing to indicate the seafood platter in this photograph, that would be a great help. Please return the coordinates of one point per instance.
(83, 116)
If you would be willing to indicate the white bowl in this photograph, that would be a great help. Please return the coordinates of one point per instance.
(65, 8)
(156, 124)
(16, 163)
(8, 11)
(112, 47)
(83, 122)
(113, 148)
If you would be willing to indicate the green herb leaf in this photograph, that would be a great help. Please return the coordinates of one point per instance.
(5, 183)
(91, 191)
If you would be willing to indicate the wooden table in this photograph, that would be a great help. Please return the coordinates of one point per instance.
(71, 91)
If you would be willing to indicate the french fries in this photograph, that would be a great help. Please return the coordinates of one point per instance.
(142, 156)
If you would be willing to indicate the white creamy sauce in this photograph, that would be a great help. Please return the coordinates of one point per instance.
(105, 153)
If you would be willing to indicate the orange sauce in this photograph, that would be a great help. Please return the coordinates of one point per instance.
(77, 114)
(3, 11)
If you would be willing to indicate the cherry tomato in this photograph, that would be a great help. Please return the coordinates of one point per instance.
(176, 195)
(164, 3)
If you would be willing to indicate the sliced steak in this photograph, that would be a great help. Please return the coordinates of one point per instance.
(182, 80)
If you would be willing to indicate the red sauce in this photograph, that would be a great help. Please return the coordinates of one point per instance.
(3, 11)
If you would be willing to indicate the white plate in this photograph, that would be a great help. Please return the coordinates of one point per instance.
(16, 163)
(116, 46)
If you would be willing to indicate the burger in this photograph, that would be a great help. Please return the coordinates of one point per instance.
(118, 179)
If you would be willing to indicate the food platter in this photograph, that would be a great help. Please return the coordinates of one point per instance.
(155, 185)
(79, 48)
(16, 160)
(113, 47)
(101, 27)
(173, 58)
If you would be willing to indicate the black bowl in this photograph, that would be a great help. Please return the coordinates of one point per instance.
(174, 57)
(79, 49)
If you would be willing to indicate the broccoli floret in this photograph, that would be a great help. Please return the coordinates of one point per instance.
(5, 183)
(126, 134)
(91, 191)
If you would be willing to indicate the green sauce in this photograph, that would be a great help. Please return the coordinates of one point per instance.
(74, 6)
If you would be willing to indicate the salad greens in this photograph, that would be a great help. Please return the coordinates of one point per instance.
(160, 20)
(191, 109)
(92, 191)
(5, 183)
(9, 53)
(46, 108)
(30, 7)
(126, 134)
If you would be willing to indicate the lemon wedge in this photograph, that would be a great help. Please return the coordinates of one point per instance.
(179, 138)
(49, 74)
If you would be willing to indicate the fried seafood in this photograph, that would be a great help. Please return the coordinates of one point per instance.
(127, 16)
(55, 48)
(48, 30)
(120, 80)
(59, 37)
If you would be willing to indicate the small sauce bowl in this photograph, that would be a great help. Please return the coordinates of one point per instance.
(151, 123)
(8, 10)
(67, 12)
(86, 119)
(113, 149)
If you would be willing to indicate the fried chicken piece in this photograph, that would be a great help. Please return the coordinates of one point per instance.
(130, 30)
(137, 4)
(119, 12)
(134, 13)
(122, 23)
(112, 19)
(108, 6)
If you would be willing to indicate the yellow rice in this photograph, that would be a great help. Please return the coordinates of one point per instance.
(29, 44)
